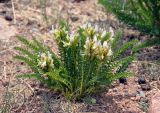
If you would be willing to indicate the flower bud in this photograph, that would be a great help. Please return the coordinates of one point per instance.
(110, 52)
(45, 61)
(111, 31)
(103, 34)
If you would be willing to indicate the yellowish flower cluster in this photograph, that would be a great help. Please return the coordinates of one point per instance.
(45, 61)
(71, 41)
(98, 44)
(60, 34)
(63, 36)
(97, 41)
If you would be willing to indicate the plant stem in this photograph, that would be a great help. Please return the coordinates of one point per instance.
(90, 67)
(98, 68)
(81, 89)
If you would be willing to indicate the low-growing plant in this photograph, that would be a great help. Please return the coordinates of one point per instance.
(87, 63)
(144, 15)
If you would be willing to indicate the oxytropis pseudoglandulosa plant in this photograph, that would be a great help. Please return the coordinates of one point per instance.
(143, 15)
(88, 61)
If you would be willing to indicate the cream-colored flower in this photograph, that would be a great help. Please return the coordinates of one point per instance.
(56, 33)
(71, 38)
(87, 43)
(45, 60)
(43, 55)
(110, 53)
(49, 55)
(96, 28)
(66, 44)
(105, 44)
(104, 51)
(43, 64)
(111, 31)
(96, 44)
(95, 38)
(103, 34)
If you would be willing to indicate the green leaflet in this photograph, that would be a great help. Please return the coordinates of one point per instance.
(26, 60)
(55, 75)
(147, 43)
(116, 76)
(116, 40)
(26, 52)
(124, 47)
(32, 75)
(28, 43)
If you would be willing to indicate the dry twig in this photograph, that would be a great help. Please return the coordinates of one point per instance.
(13, 9)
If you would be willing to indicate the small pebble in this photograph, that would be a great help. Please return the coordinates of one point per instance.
(137, 98)
(133, 94)
(133, 98)
(142, 94)
(141, 80)
(89, 14)
(8, 18)
(110, 90)
(126, 93)
(123, 80)
(145, 87)
(136, 79)
(77, 0)
(123, 109)
(139, 86)
(114, 90)
(125, 87)
(3, 12)
(5, 83)
(74, 18)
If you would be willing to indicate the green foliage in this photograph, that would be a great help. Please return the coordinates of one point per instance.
(141, 14)
(88, 63)
(147, 43)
